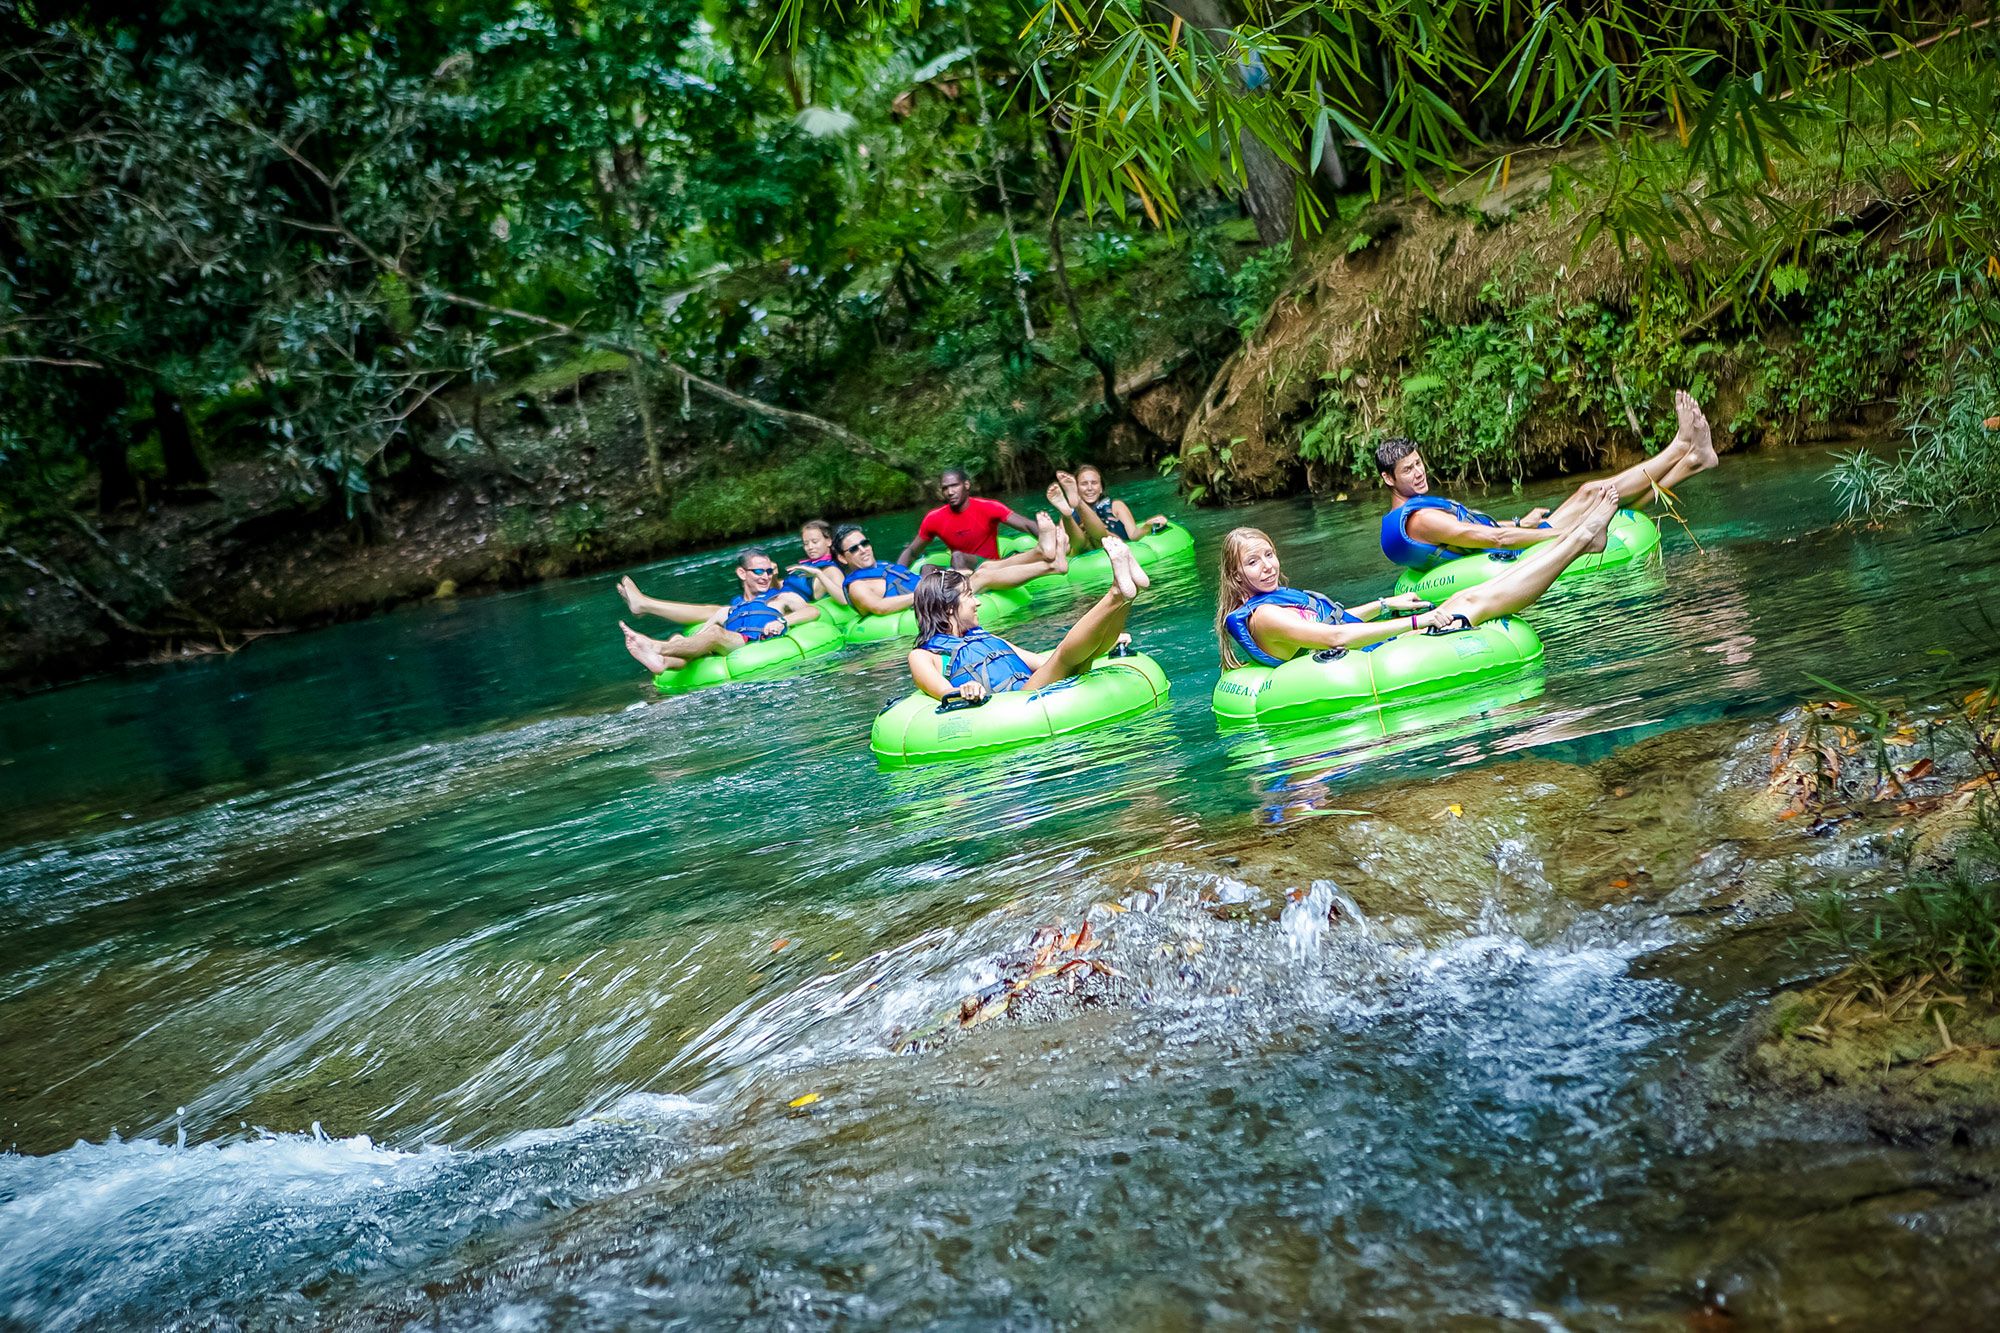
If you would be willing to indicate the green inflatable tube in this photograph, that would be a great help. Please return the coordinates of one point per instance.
(997, 604)
(917, 729)
(814, 638)
(1315, 685)
(1092, 569)
(1633, 537)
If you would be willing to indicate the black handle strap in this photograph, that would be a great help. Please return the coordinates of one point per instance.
(1463, 624)
(955, 701)
(1328, 654)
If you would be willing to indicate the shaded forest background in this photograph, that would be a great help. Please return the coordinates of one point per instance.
(308, 308)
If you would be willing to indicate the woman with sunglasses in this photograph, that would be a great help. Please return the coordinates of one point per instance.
(761, 611)
(954, 657)
(883, 587)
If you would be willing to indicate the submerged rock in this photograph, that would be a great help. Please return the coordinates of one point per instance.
(1849, 1060)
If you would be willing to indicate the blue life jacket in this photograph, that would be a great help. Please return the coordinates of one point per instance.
(979, 655)
(896, 579)
(1319, 608)
(755, 618)
(1405, 550)
(805, 585)
(1112, 523)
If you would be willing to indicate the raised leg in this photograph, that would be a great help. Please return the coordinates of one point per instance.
(1691, 450)
(657, 655)
(1094, 634)
(1086, 518)
(1079, 539)
(1087, 639)
(1531, 576)
(682, 613)
(1050, 556)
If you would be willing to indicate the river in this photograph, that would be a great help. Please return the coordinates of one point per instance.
(431, 969)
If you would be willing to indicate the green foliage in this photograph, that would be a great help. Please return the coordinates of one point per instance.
(578, 527)
(1942, 925)
(1535, 380)
(1256, 284)
(1951, 411)
(1952, 464)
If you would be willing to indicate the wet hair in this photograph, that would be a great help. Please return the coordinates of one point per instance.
(1082, 468)
(1393, 451)
(842, 533)
(935, 601)
(951, 472)
(1235, 589)
(752, 553)
(819, 525)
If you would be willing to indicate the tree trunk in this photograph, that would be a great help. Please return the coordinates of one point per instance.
(1270, 188)
(99, 399)
(642, 393)
(999, 182)
(184, 465)
(1107, 366)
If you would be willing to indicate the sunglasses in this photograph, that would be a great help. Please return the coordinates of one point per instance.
(765, 569)
(850, 550)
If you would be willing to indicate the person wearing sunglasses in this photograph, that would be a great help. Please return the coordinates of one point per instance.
(884, 587)
(761, 611)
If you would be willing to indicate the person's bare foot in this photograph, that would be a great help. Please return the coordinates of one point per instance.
(1596, 523)
(1069, 490)
(630, 592)
(1046, 546)
(644, 650)
(1126, 575)
(1057, 500)
(1695, 430)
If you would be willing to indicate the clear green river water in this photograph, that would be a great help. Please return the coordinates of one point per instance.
(431, 970)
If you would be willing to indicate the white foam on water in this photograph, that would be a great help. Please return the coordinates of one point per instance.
(116, 1232)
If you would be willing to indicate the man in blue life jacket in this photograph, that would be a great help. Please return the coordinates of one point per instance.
(884, 587)
(761, 611)
(1422, 531)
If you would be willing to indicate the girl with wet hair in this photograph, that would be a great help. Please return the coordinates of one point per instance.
(1260, 621)
(954, 657)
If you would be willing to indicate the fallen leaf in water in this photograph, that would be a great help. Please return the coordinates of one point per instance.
(1621, 883)
(807, 1100)
(1112, 907)
(1991, 423)
(836, 955)
(1455, 810)
(993, 1008)
(1917, 770)
(780, 946)
(1788, 814)
(1621, 791)
(1194, 947)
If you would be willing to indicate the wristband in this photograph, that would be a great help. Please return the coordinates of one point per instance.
(1413, 622)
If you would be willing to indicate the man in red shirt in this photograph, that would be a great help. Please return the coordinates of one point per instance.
(968, 525)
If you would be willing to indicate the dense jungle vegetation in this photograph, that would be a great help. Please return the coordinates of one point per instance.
(342, 238)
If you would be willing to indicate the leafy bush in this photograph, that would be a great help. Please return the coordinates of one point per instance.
(1254, 286)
